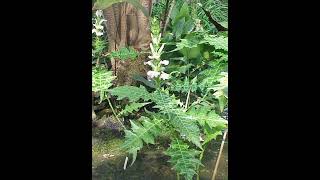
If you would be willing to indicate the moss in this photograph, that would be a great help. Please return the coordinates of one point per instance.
(106, 150)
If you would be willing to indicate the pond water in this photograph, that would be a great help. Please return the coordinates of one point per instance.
(151, 164)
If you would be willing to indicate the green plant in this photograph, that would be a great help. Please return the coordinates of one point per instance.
(99, 44)
(185, 124)
(181, 21)
(125, 54)
(183, 158)
(185, 90)
(155, 26)
(101, 81)
(141, 133)
(218, 10)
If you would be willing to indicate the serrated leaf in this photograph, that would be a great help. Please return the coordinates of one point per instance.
(219, 42)
(130, 108)
(186, 85)
(183, 158)
(101, 81)
(141, 133)
(131, 92)
(186, 126)
(211, 133)
(182, 122)
(205, 115)
(194, 85)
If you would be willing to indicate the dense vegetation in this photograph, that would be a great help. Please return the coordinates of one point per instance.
(183, 93)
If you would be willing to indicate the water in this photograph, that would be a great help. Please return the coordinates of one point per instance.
(151, 164)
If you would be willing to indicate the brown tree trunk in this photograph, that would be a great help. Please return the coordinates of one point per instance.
(127, 26)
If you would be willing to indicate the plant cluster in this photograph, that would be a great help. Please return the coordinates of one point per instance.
(184, 94)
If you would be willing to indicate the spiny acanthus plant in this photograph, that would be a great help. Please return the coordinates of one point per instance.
(190, 128)
(186, 94)
(99, 42)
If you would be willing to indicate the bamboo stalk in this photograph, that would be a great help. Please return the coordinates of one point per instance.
(220, 152)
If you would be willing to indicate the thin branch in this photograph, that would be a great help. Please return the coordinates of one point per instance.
(220, 152)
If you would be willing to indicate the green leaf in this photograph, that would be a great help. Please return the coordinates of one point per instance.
(174, 14)
(183, 158)
(188, 26)
(103, 4)
(205, 115)
(194, 85)
(130, 108)
(211, 133)
(131, 92)
(222, 102)
(101, 81)
(178, 28)
(143, 80)
(141, 133)
(185, 124)
(184, 86)
(125, 54)
(224, 24)
(212, 123)
(219, 42)
(183, 13)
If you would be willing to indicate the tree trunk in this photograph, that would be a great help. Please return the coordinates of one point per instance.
(127, 26)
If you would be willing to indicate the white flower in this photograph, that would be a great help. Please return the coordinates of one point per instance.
(153, 74)
(98, 25)
(164, 62)
(156, 40)
(201, 140)
(164, 76)
(99, 13)
(149, 63)
(161, 48)
(98, 33)
(155, 54)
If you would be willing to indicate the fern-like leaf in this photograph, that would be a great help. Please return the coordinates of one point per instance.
(212, 123)
(183, 159)
(140, 134)
(101, 81)
(206, 116)
(131, 92)
(185, 86)
(183, 123)
(219, 42)
(132, 107)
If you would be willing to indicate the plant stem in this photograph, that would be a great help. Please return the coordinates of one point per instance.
(178, 176)
(114, 113)
(198, 167)
(220, 152)
(187, 101)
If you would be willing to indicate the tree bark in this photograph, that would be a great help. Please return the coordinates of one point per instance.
(127, 26)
